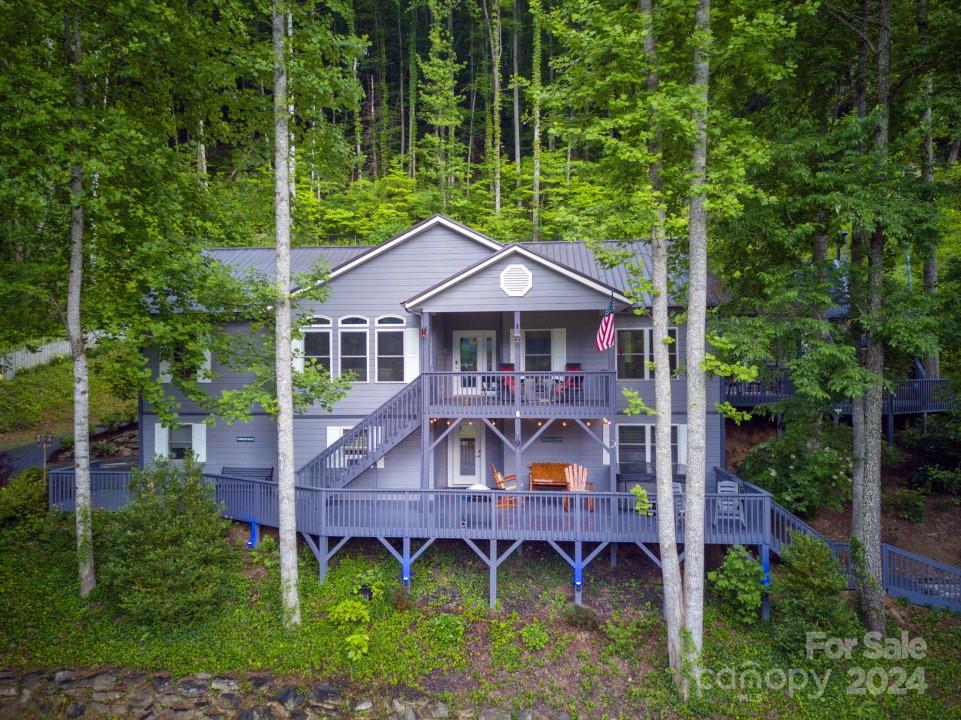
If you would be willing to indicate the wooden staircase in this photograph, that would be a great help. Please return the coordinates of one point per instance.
(367, 442)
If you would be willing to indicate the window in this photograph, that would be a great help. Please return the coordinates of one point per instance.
(316, 341)
(175, 443)
(353, 347)
(185, 372)
(537, 350)
(390, 349)
(181, 441)
(636, 453)
(635, 352)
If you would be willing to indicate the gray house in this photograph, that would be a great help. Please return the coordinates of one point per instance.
(468, 355)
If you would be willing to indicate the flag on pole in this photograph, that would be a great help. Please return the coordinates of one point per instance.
(605, 333)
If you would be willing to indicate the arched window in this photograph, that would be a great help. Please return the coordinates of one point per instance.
(354, 341)
(390, 349)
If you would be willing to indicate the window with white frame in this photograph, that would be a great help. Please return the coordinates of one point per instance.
(175, 443)
(186, 369)
(537, 350)
(354, 340)
(390, 349)
(635, 353)
(636, 449)
(316, 343)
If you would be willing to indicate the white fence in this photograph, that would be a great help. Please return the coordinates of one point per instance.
(13, 362)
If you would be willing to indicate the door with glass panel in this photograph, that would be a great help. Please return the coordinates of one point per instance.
(473, 352)
(466, 454)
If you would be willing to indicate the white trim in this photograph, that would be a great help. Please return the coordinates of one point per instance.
(403, 352)
(198, 441)
(509, 251)
(203, 372)
(648, 351)
(509, 277)
(161, 440)
(163, 372)
(340, 348)
(311, 324)
(407, 235)
(482, 337)
(649, 442)
(390, 326)
(341, 323)
(297, 352)
(606, 439)
(452, 449)
(555, 332)
(411, 353)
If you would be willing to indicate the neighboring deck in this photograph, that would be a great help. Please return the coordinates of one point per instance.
(910, 397)
(487, 518)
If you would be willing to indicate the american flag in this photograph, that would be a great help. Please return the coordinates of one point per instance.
(605, 333)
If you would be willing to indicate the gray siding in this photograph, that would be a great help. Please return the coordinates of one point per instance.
(223, 447)
(550, 291)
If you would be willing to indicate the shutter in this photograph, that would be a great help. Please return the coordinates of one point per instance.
(334, 433)
(411, 353)
(682, 447)
(161, 441)
(198, 442)
(297, 354)
(558, 348)
(203, 374)
(163, 372)
(606, 437)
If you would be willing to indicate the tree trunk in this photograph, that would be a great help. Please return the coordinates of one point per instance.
(412, 92)
(517, 98)
(401, 120)
(870, 581)
(494, 36)
(78, 341)
(283, 361)
(663, 462)
(536, 113)
(696, 328)
(201, 153)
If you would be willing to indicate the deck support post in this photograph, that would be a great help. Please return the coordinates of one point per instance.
(613, 554)
(890, 428)
(254, 534)
(578, 572)
(323, 552)
(405, 564)
(765, 582)
(492, 568)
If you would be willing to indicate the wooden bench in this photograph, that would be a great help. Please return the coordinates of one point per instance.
(548, 476)
(266, 474)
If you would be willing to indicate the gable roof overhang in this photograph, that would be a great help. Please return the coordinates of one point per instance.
(515, 250)
(435, 221)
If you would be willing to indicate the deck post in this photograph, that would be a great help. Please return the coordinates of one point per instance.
(891, 427)
(492, 569)
(613, 552)
(254, 534)
(578, 572)
(323, 553)
(405, 564)
(765, 582)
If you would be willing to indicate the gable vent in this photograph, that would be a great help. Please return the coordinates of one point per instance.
(516, 280)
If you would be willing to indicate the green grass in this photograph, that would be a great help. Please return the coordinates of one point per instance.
(40, 399)
(524, 655)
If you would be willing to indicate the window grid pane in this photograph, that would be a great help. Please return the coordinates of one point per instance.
(353, 353)
(390, 356)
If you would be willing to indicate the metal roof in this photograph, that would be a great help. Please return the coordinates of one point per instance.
(260, 260)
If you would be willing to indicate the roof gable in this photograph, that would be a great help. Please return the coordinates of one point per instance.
(516, 252)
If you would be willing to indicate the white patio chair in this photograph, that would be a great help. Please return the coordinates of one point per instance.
(725, 507)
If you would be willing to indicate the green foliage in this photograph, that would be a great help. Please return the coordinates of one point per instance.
(581, 617)
(807, 595)
(535, 636)
(349, 613)
(625, 635)
(447, 629)
(266, 553)
(907, 504)
(806, 467)
(642, 502)
(738, 584)
(41, 397)
(939, 449)
(24, 497)
(164, 558)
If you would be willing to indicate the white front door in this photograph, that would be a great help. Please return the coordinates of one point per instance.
(465, 453)
(473, 352)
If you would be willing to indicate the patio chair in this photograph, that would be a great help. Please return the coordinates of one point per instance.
(727, 505)
(507, 388)
(679, 499)
(571, 387)
(505, 482)
(576, 476)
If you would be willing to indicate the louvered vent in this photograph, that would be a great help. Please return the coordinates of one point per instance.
(516, 280)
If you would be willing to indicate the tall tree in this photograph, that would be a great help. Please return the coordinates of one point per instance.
(536, 91)
(286, 491)
(492, 18)
(696, 347)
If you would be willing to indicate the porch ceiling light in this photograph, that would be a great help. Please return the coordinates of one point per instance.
(516, 280)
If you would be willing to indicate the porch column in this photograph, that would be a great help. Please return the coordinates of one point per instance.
(516, 339)
(425, 390)
(612, 409)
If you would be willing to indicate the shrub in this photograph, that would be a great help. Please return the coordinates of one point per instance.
(625, 636)
(116, 419)
(937, 480)
(907, 504)
(535, 636)
(23, 497)
(103, 448)
(806, 467)
(447, 630)
(939, 444)
(164, 556)
(807, 595)
(6, 467)
(66, 441)
(581, 617)
(737, 584)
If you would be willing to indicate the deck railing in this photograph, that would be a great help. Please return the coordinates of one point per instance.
(908, 397)
(574, 394)
(750, 517)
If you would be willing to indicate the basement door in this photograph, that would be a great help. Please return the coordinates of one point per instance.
(465, 454)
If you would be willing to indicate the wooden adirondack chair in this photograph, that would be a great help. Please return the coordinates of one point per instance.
(505, 482)
(576, 476)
